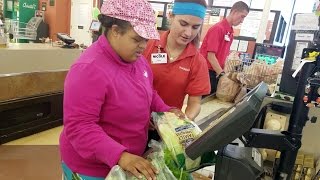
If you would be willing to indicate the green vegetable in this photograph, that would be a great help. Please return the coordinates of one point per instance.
(75, 176)
(172, 143)
(177, 134)
(178, 172)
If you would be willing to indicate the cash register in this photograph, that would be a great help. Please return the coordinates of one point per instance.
(235, 162)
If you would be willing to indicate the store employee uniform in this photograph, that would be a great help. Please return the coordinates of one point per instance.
(217, 40)
(186, 75)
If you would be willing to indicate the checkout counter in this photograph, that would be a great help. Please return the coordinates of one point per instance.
(31, 88)
(236, 162)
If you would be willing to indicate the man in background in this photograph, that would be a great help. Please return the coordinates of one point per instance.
(216, 44)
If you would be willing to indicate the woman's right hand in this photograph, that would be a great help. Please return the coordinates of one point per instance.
(137, 166)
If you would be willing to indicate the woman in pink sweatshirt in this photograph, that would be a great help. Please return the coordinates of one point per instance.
(108, 97)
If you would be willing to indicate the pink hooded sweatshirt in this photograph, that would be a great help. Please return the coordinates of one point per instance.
(107, 107)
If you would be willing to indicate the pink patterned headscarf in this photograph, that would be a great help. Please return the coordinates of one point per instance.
(138, 12)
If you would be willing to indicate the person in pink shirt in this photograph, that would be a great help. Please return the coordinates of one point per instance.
(109, 96)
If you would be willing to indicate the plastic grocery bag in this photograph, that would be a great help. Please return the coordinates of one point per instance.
(176, 135)
(156, 157)
(116, 173)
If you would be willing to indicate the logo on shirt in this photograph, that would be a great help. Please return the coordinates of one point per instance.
(184, 69)
(145, 74)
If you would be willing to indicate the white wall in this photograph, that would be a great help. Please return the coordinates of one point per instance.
(303, 6)
(285, 6)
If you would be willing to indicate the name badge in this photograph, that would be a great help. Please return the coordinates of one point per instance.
(226, 38)
(159, 58)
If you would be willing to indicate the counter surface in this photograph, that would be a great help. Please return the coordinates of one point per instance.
(30, 57)
(34, 46)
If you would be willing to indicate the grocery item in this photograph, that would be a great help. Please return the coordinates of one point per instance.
(156, 157)
(227, 89)
(176, 135)
(242, 92)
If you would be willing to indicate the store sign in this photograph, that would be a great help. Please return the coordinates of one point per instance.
(215, 12)
(29, 6)
(27, 9)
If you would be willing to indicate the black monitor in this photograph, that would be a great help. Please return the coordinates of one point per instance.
(237, 120)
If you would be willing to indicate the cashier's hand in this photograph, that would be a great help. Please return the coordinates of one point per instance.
(178, 113)
(138, 166)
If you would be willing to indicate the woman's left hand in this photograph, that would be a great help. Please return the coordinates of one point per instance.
(178, 113)
(152, 127)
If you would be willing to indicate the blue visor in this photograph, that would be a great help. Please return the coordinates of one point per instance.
(186, 8)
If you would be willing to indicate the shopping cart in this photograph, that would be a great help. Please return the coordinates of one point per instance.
(251, 72)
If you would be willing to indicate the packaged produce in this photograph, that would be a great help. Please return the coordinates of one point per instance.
(156, 157)
(176, 135)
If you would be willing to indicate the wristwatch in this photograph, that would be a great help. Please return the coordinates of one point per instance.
(221, 74)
